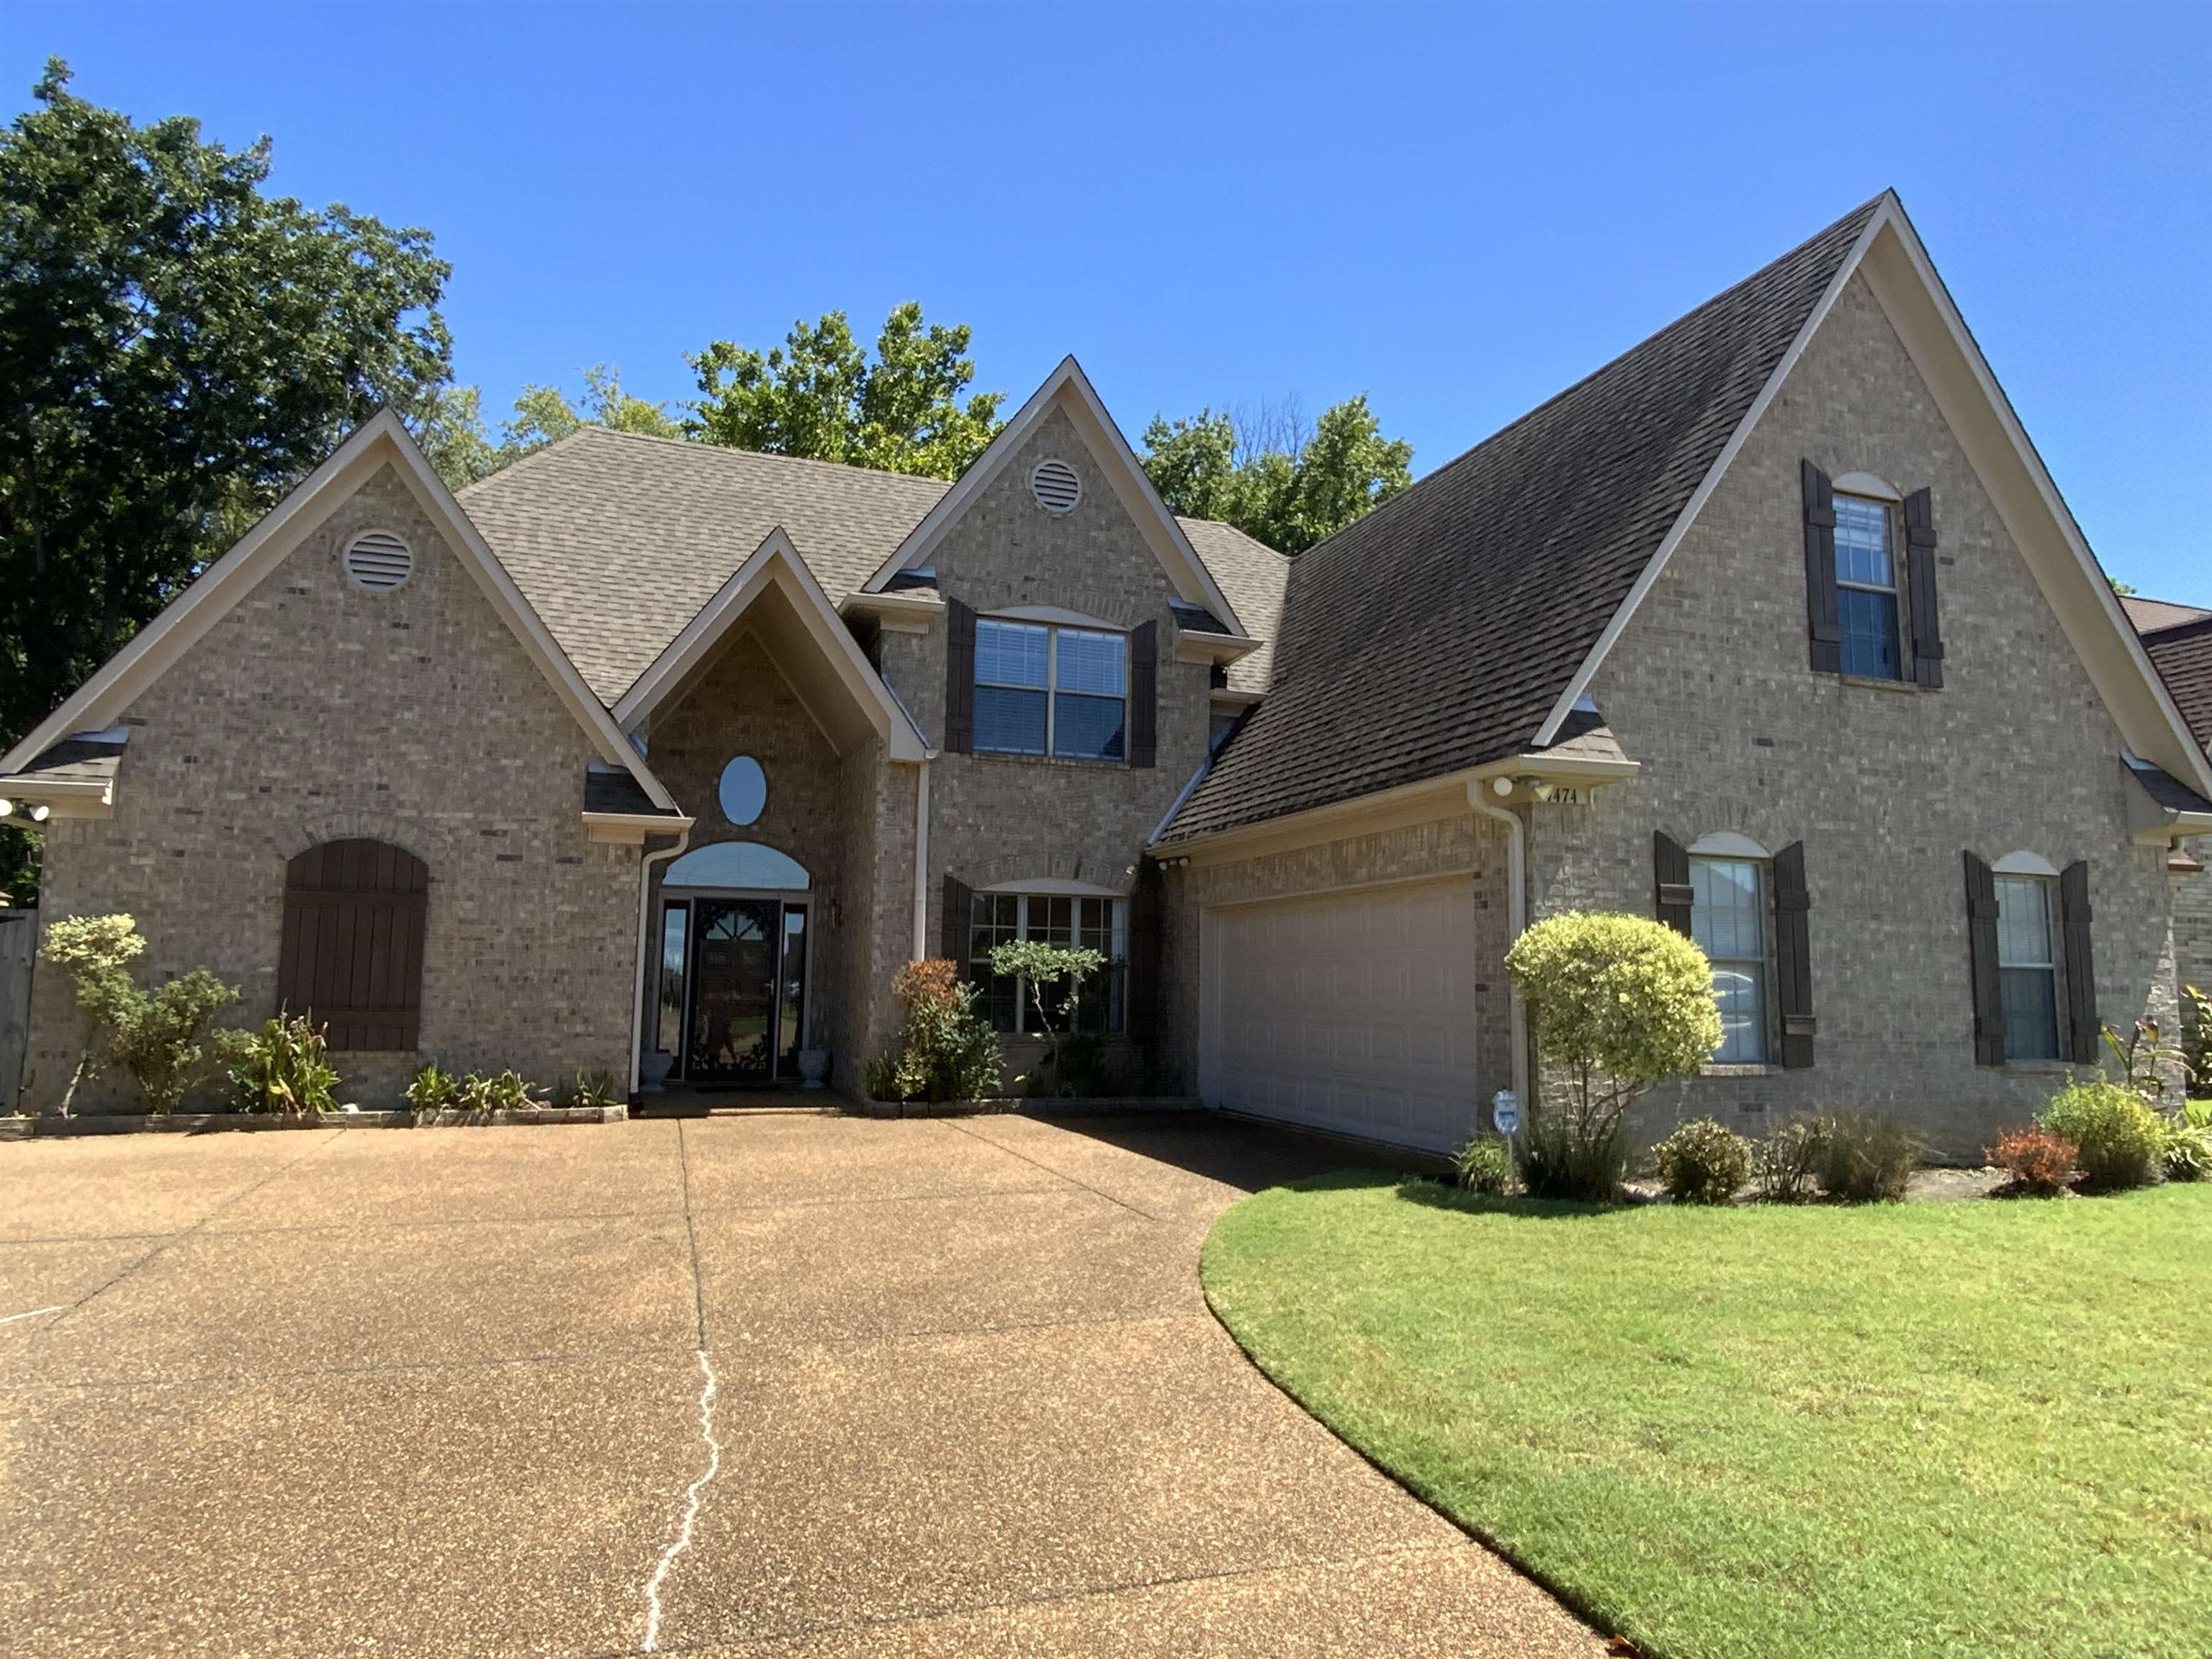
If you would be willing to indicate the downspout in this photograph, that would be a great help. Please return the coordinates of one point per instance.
(644, 917)
(921, 861)
(1516, 905)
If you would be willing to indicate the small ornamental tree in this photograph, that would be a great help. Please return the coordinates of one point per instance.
(154, 1035)
(95, 952)
(1620, 1004)
(1041, 966)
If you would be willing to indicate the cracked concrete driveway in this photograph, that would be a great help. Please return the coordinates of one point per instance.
(447, 1392)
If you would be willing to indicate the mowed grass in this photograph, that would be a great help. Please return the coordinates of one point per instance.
(1979, 1427)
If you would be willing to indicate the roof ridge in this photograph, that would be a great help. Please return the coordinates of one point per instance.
(704, 447)
(1238, 530)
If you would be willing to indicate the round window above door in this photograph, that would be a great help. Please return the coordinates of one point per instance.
(743, 791)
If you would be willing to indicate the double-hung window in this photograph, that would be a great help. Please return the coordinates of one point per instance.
(1728, 919)
(1042, 688)
(1866, 590)
(1073, 920)
(2027, 967)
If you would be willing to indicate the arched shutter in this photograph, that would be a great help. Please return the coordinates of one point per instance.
(1982, 962)
(1920, 576)
(2074, 916)
(351, 958)
(1144, 694)
(1793, 955)
(1825, 628)
(1670, 868)
(959, 677)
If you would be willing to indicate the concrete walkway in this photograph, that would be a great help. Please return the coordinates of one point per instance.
(778, 1383)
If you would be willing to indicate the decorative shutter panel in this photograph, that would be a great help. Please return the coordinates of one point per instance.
(1144, 694)
(1144, 989)
(959, 677)
(952, 929)
(351, 954)
(1826, 629)
(1982, 957)
(2074, 916)
(1793, 955)
(1920, 576)
(1671, 867)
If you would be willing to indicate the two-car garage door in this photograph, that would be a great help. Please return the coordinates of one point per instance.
(1353, 1012)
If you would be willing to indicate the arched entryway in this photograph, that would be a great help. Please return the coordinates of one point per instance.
(733, 1004)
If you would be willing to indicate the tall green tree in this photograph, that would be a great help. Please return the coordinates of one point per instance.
(1273, 476)
(177, 347)
(818, 395)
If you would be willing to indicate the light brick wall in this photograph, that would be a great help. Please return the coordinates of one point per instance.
(312, 711)
(1709, 687)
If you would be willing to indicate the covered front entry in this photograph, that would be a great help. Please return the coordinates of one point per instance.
(1356, 1011)
(734, 982)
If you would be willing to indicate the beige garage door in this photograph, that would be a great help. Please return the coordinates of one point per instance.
(1353, 1012)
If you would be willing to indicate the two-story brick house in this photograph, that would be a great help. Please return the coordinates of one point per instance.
(663, 759)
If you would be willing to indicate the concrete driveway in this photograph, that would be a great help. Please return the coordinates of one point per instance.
(776, 1383)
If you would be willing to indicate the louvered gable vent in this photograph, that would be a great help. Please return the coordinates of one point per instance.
(1056, 485)
(378, 561)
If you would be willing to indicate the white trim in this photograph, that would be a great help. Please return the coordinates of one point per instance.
(2025, 864)
(1068, 386)
(125, 676)
(1053, 887)
(1516, 912)
(1867, 485)
(920, 862)
(630, 829)
(899, 612)
(1231, 696)
(2179, 754)
(776, 563)
(1051, 613)
(645, 915)
(1726, 844)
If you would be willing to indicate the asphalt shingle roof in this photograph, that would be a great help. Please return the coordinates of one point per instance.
(2149, 616)
(617, 540)
(2183, 657)
(1438, 632)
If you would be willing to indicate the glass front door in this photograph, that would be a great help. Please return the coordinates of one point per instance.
(747, 990)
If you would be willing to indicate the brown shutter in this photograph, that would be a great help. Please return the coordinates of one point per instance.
(351, 955)
(2080, 961)
(1144, 694)
(1793, 955)
(959, 677)
(1144, 968)
(1671, 867)
(1982, 959)
(1826, 630)
(1920, 576)
(953, 928)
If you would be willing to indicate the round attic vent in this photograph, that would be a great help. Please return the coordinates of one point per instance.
(378, 561)
(1056, 485)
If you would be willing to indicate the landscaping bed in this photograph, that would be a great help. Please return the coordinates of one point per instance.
(127, 1123)
(1770, 1430)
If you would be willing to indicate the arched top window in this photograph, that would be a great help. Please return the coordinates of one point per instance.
(2025, 864)
(351, 958)
(745, 864)
(1727, 844)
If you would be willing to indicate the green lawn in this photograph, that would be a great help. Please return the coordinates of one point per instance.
(1978, 1427)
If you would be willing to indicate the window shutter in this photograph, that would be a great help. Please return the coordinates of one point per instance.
(1793, 953)
(1826, 630)
(959, 677)
(1671, 869)
(1920, 576)
(351, 955)
(1144, 694)
(2074, 916)
(1143, 969)
(959, 917)
(1982, 956)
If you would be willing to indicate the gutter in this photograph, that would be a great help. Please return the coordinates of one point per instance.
(1516, 876)
(644, 916)
(921, 861)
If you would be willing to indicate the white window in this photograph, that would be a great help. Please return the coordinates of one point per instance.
(1866, 589)
(1076, 921)
(2028, 967)
(1728, 918)
(1042, 688)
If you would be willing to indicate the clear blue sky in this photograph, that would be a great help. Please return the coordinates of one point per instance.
(1458, 211)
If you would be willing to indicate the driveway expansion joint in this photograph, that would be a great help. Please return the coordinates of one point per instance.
(1058, 1174)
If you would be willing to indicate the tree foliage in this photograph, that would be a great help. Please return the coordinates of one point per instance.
(1272, 476)
(818, 395)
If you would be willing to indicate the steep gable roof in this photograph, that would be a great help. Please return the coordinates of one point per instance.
(2183, 657)
(1442, 630)
(2150, 615)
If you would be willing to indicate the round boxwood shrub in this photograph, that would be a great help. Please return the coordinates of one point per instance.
(2121, 1139)
(1703, 1162)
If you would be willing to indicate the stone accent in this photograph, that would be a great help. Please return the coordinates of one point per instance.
(1709, 688)
(314, 710)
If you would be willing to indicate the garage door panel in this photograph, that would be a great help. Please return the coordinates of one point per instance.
(1357, 1012)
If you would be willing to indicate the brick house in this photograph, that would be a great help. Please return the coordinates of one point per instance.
(661, 759)
(2178, 638)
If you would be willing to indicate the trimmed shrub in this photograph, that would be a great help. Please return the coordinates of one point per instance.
(1786, 1163)
(2121, 1138)
(1619, 1003)
(1703, 1162)
(279, 1068)
(2039, 1162)
(1484, 1165)
(1865, 1159)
